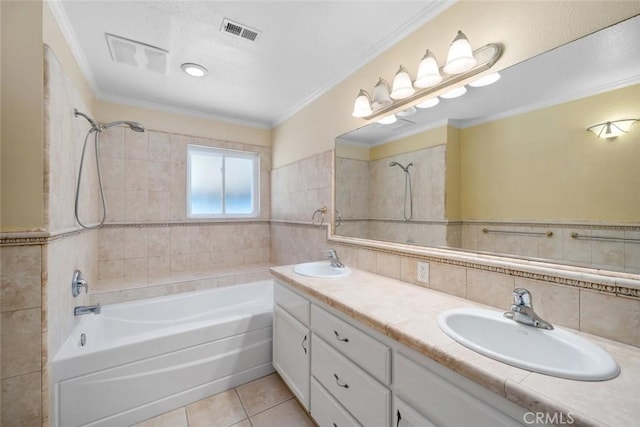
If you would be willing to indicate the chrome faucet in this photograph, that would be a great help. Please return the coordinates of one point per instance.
(86, 309)
(522, 310)
(332, 256)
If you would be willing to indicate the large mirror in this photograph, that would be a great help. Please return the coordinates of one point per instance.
(510, 168)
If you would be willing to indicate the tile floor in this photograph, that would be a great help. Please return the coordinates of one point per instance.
(265, 402)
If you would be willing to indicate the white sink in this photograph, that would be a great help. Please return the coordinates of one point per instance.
(556, 352)
(322, 269)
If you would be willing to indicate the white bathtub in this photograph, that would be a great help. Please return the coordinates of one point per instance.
(147, 357)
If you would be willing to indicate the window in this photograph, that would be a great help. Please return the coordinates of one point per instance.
(221, 183)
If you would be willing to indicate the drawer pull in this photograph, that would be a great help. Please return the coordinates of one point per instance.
(335, 425)
(340, 339)
(345, 385)
(399, 418)
(303, 347)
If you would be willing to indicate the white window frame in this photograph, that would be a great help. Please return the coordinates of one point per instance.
(224, 153)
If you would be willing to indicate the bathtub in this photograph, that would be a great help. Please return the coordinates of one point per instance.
(146, 357)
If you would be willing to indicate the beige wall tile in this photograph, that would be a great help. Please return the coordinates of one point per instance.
(448, 278)
(112, 143)
(159, 266)
(136, 268)
(136, 176)
(112, 171)
(21, 278)
(556, 304)
(159, 206)
(111, 243)
(159, 146)
(490, 288)
(180, 263)
(159, 176)
(180, 240)
(21, 342)
(136, 240)
(159, 241)
(611, 317)
(136, 145)
(136, 205)
(111, 269)
(388, 265)
(114, 200)
(21, 400)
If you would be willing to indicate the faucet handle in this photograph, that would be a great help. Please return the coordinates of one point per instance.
(330, 254)
(522, 297)
(77, 283)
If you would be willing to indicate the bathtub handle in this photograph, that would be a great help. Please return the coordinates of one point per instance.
(303, 347)
(340, 339)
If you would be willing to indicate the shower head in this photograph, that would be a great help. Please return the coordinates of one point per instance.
(134, 126)
(406, 169)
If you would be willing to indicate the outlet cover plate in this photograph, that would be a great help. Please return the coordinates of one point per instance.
(423, 272)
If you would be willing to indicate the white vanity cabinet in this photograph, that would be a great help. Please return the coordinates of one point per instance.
(292, 341)
(347, 375)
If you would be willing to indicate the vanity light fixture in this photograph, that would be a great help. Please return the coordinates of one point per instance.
(487, 80)
(462, 64)
(428, 71)
(407, 112)
(381, 96)
(460, 57)
(454, 93)
(612, 129)
(362, 107)
(428, 103)
(402, 86)
(194, 70)
(387, 120)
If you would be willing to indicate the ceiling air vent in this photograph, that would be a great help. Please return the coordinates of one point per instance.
(239, 30)
(137, 54)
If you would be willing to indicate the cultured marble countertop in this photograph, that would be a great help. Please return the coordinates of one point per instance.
(408, 314)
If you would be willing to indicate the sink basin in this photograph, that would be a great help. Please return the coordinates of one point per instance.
(556, 352)
(321, 269)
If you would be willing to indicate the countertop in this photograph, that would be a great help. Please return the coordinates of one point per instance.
(408, 314)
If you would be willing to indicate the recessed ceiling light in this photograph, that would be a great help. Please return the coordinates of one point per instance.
(194, 70)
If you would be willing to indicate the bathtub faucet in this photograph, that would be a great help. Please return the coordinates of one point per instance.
(86, 309)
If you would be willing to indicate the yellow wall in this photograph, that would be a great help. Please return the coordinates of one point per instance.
(545, 165)
(452, 178)
(426, 139)
(355, 152)
(183, 124)
(525, 28)
(22, 116)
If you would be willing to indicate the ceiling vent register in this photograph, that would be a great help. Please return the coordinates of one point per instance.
(239, 30)
(137, 54)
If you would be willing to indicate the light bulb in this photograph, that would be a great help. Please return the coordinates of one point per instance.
(387, 120)
(431, 102)
(402, 86)
(428, 71)
(485, 80)
(454, 93)
(362, 106)
(460, 57)
(381, 97)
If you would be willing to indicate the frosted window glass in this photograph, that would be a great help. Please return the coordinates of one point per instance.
(206, 184)
(221, 183)
(238, 177)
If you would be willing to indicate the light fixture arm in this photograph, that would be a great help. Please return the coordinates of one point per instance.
(486, 57)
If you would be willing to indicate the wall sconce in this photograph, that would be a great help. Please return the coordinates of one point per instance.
(461, 64)
(612, 129)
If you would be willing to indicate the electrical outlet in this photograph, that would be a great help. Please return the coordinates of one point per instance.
(423, 272)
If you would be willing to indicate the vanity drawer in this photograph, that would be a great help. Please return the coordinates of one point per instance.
(440, 401)
(325, 411)
(293, 303)
(371, 355)
(363, 396)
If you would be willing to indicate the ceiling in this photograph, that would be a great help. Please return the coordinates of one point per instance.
(303, 48)
(602, 61)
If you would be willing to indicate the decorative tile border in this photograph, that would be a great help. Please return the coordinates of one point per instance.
(580, 278)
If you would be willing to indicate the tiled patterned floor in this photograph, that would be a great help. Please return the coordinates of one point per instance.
(265, 402)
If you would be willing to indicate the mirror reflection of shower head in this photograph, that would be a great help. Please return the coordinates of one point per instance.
(134, 126)
(406, 169)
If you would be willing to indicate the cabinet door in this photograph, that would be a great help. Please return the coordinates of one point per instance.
(406, 416)
(291, 353)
